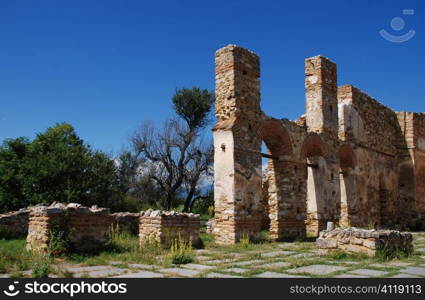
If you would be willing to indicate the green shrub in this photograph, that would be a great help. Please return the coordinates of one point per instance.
(181, 251)
(41, 265)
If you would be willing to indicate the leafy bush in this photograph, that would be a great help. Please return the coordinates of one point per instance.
(41, 265)
(181, 251)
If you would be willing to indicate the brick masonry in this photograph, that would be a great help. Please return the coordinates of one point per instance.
(84, 229)
(368, 242)
(164, 227)
(349, 159)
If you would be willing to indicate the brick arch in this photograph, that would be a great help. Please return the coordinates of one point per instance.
(348, 184)
(313, 146)
(276, 137)
(347, 157)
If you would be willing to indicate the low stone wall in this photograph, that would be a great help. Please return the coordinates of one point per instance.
(14, 224)
(164, 227)
(370, 242)
(126, 222)
(82, 229)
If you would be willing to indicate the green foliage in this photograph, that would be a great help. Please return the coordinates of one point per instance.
(193, 106)
(181, 251)
(13, 255)
(204, 206)
(244, 241)
(41, 265)
(56, 166)
(385, 254)
(6, 233)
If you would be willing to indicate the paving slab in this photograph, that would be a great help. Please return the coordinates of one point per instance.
(197, 267)
(202, 258)
(142, 274)
(402, 275)
(142, 266)
(349, 276)
(414, 271)
(218, 275)
(102, 273)
(399, 264)
(181, 272)
(236, 270)
(219, 261)
(302, 255)
(317, 269)
(277, 275)
(80, 269)
(279, 264)
(276, 253)
(368, 272)
(248, 262)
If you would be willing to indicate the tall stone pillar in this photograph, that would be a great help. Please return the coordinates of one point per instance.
(323, 189)
(321, 95)
(237, 163)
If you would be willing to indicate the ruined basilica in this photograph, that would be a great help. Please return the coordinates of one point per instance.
(350, 159)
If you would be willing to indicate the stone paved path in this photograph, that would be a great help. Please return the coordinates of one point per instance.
(281, 260)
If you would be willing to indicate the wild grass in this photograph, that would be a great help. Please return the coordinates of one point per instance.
(13, 256)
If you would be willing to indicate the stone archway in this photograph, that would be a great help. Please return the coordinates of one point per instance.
(348, 184)
(281, 181)
(313, 152)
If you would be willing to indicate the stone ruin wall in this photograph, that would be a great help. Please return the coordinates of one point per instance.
(369, 242)
(349, 159)
(14, 224)
(84, 229)
(166, 227)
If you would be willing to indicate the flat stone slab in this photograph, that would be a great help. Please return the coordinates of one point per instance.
(197, 267)
(367, 272)
(420, 250)
(180, 272)
(303, 255)
(236, 270)
(202, 258)
(248, 262)
(317, 269)
(80, 269)
(142, 266)
(102, 273)
(277, 253)
(349, 276)
(402, 275)
(279, 264)
(414, 271)
(218, 275)
(143, 274)
(277, 275)
(219, 261)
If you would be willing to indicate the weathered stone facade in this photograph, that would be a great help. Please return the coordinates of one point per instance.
(349, 159)
(368, 242)
(83, 229)
(164, 227)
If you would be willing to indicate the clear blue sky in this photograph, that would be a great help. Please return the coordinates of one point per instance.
(105, 66)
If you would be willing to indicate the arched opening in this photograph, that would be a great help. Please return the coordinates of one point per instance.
(278, 168)
(420, 189)
(313, 152)
(348, 203)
